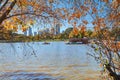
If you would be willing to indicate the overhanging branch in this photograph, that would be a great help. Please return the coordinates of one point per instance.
(4, 15)
(20, 14)
(28, 13)
(3, 4)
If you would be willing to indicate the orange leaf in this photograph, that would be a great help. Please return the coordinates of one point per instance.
(106, 1)
(101, 20)
(94, 22)
(94, 10)
(118, 1)
(23, 29)
(75, 23)
(78, 15)
(115, 4)
(83, 28)
(75, 31)
(85, 22)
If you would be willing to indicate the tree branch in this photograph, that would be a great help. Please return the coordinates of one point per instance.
(2, 18)
(1, 1)
(3, 4)
(114, 75)
(26, 13)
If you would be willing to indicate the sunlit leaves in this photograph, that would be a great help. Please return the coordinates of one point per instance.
(11, 0)
(96, 28)
(26, 11)
(24, 28)
(83, 28)
(75, 15)
(23, 3)
(105, 15)
(79, 32)
(9, 26)
(75, 31)
(71, 34)
(31, 22)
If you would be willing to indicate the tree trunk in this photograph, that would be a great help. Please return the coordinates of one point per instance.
(113, 74)
(3, 4)
(4, 15)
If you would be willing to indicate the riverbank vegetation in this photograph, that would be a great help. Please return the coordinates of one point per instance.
(65, 36)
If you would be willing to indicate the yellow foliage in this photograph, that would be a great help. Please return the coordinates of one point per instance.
(31, 22)
(75, 31)
(96, 28)
(71, 34)
(10, 26)
(11, 0)
(94, 34)
(24, 29)
(83, 29)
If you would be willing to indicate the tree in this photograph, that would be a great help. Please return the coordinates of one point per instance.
(74, 33)
(68, 30)
(115, 32)
(23, 13)
(104, 14)
(65, 34)
(89, 33)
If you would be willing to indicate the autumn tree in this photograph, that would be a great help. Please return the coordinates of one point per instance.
(78, 32)
(104, 16)
(23, 13)
(108, 48)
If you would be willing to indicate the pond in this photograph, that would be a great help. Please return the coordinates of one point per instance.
(55, 61)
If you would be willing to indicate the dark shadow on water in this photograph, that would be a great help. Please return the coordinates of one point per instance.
(28, 76)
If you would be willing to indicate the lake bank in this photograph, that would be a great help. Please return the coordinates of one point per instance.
(12, 41)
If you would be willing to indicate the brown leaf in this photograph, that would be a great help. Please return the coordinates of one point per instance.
(106, 1)
(94, 10)
(85, 22)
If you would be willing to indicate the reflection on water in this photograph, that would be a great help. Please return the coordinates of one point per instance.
(57, 60)
(27, 76)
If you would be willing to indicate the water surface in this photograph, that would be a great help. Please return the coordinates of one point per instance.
(35, 61)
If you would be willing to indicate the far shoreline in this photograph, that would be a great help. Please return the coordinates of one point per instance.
(11, 41)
